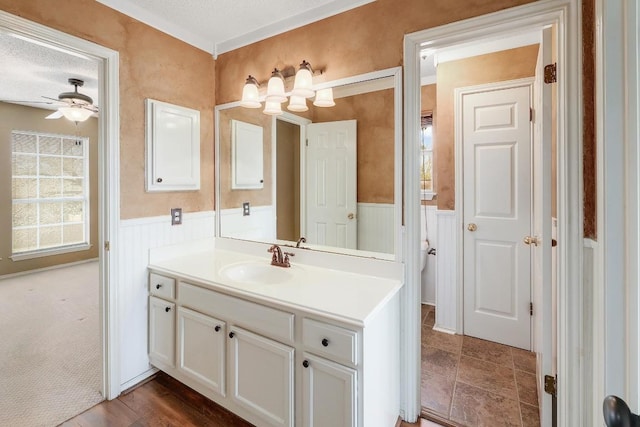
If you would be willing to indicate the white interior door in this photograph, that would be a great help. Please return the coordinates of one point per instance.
(496, 138)
(543, 281)
(331, 200)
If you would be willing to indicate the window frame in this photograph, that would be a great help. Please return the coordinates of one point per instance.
(85, 198)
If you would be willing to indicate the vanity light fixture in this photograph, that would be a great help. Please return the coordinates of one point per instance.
(275, 95)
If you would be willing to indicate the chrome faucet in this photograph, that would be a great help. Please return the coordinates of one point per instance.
(301, 240)
(279, 258)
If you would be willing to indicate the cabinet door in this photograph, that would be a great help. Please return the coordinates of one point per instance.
(201, 348)
(162, 332)
(261, 376)
(328, 393)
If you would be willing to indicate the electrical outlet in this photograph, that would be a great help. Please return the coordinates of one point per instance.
(176, 216)
(246, 211)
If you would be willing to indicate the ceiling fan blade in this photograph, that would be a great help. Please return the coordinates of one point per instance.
(25, 102)
(90, 108)
(55, 115)
(53, 99)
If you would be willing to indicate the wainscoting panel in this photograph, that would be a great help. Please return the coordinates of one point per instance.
(136, 237)
(259, 225)
(447, 272)
(429, 233)
(375, 227)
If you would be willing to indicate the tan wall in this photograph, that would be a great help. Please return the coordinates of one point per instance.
(16, 117)
(375, 148)
(495, 67)
(288, 181)
(234, 198)
(152, 65)
(428, 103)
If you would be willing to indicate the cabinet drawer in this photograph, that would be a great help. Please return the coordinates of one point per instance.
(162, 286)
(337, 343)
(258, 318)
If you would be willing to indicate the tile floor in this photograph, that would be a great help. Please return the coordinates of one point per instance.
(473, 382)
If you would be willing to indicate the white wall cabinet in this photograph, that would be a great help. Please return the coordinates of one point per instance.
(172, 147)
(162, 327)
(328, 393)
(262, 376)
(201, 348)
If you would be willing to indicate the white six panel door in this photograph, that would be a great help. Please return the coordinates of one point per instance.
(331, 199)
(496, 134)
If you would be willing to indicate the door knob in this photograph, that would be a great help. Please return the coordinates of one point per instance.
(530, 240)
(351, 215)
(472, 227)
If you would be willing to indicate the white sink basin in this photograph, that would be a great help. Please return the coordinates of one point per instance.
(256, 273)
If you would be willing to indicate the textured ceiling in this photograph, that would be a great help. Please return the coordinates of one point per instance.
(218, 26)
(32, 70)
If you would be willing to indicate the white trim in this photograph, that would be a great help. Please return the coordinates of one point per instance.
(53, 267)
(134, 222)
(108, 177)
(565, 14)
(58, 250)
(138, 379)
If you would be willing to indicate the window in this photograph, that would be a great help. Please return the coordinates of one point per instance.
(426, 152)
(50, 192)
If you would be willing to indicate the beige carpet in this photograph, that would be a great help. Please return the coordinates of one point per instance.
(50, 359)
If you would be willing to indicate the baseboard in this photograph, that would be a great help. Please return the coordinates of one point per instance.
(138, 380)
(51, 267)
(445, 330)
(437, 418)
(140, 384)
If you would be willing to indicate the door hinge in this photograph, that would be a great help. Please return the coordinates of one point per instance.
(550, 385)
(530, 114)
(107, 246)
(530, 309)
(550, 73)
(306, 142)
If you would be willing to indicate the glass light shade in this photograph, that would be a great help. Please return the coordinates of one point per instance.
(303, 82)
(250, 94)
(324, 98)
(75, 114)
(275, 88)
(272, 108)
(297, 103)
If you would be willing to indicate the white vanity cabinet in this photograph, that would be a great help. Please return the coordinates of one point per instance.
(162, 332)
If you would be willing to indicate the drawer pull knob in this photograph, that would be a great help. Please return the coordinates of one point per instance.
(217, 328)
(305, 363)
(325, 342)
(159, 180)
(158, 286)
(167, 309)
(232, 334)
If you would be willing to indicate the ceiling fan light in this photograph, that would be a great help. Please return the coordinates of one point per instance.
(303, 82)
(275, 88)
(250, 94)
(75, 114)
(324, 98)
(272, 108)
(297, 103)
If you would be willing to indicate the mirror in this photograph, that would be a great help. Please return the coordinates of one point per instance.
(330, 174)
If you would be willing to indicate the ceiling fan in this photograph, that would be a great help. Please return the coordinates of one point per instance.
(77, 107)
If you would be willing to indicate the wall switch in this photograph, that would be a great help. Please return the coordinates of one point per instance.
(245, 209)
(176, 216)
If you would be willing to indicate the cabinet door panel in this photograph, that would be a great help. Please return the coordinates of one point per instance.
(328, 393)
(201, 348)
(262, 376)
(162, 331)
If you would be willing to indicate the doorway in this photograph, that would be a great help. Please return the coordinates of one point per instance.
(562, 14)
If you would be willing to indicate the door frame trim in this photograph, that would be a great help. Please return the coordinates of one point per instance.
(565, 14)
(459, 183)
(108, 181)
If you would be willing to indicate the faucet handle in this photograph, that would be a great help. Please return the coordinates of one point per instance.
(287, 254)
(285, 261)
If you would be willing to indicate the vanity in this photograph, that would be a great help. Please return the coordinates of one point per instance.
(305, 345)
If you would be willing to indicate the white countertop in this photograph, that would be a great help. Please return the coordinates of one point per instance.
(347, 297)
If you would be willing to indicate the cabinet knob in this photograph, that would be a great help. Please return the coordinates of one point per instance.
(325, 342)
(158, 286)
(217, 328)
(232, 334)
(305, 363)
(167, 309)
(159, 180)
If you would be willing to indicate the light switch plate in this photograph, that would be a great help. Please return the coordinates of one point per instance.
(176, 216)
(246, 210)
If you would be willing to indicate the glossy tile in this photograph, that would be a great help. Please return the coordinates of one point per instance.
(530, 415)
(479, 408)
(447, 342)
(439, 361)
(524, 360)
(527, 387)
(487, 350)
(436, 392)
(487, 376)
